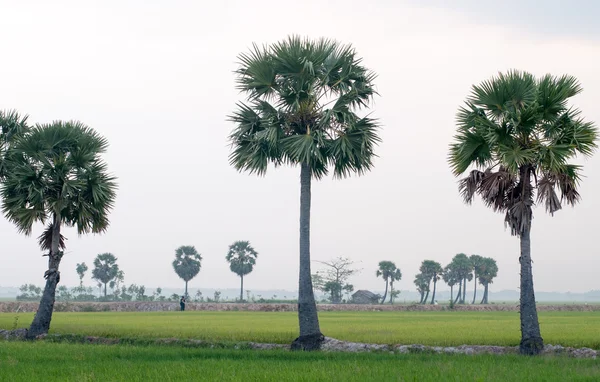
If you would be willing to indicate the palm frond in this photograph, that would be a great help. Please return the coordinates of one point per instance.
(45, 239)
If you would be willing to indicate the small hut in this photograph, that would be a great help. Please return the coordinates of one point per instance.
(365, 297)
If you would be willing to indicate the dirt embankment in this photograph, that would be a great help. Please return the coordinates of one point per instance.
(11, 307)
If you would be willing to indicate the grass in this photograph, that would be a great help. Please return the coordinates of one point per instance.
(577, 329)
(42, 361)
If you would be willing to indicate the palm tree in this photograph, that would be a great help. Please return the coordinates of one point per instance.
(56, 174)
(431, 270)
(422, 283)
(386, 271)
(302, 98)
(476, 263)
(450, 277)
(461, 265)
(241, 258)
(519, 133)
(488, 270)
(395, 276)
(187, 264)
(105, 269)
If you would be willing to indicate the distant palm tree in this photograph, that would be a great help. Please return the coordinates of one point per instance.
(105, 269)
(242, 258)
(431, 270)
(477, 264)
(187, 264)
(56, 174)
(519, 133)
(395, 276)
(301, 109)
(487, 273)
(386, 272)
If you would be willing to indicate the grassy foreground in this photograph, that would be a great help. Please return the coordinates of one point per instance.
(69, 362)
(577, 329)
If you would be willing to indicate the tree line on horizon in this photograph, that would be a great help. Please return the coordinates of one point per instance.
(515, 137)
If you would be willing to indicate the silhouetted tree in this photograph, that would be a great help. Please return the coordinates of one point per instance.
(105, 269)
(187, 264)
(241, 258)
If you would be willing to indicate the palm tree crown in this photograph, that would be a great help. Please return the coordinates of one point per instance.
(56, 173)
(302, 98)
(241, 257)
(521, 132)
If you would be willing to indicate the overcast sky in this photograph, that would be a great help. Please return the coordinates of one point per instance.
(155, 78)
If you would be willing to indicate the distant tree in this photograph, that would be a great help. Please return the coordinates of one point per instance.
(422, 283)
(386, 271)
(56, 175)
(451, 278)
(431, 270)
(517, 134)
(488, 271)
(242, 258)
(115, 283)
(81, 269)
(477, 264)
(334, 278)
(187, 264)
(461, 265)
(395, 276)
(217, 295)
(303, 97)
(29, 292)
(105, 269)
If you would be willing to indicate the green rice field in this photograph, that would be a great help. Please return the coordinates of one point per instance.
(577, 329)
(42, 361)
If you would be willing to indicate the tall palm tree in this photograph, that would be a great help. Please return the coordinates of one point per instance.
(519, 133)
(301, 109)
(450, 277)
(56, 175)
(187, 264)
(386, 272)
(421, 281)
(105, 269)
(242, 258)
(477, 264)
(487, 273)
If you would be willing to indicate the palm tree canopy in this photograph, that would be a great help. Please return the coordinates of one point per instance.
(302, 99)
(520, 134)
(450, 275)
(105, 268)
(12, 126)
(431, 269)
(187, 262)
(461, 266)
(56, 172)
(422, 282)
(241, 257)
(386, 270)
(488, 271)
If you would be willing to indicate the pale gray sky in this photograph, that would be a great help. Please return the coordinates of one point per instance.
(155, 77)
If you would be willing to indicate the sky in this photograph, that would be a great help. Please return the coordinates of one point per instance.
(156, 79)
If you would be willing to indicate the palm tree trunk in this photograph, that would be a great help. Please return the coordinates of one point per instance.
(385, 293)
(105, 291)
(242, 288)
(475, 286)
(422, 296)
(186, 290)
(310, 333)
(392, 293)
(484, 300)
(531, 339)
(451, 292)
(464, 291)
(427, 295)
(43, 316)
(459, 292)
(433, 295)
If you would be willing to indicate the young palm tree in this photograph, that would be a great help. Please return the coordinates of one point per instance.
(242, 259)
(520, 134)
(395, 276)
(386, 272)
(187, 264)
(301, 109)
(56, 175)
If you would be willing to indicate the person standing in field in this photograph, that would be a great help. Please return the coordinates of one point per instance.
(182, 303)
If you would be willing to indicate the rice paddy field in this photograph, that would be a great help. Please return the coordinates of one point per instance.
(576, 329)
(45, 360)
